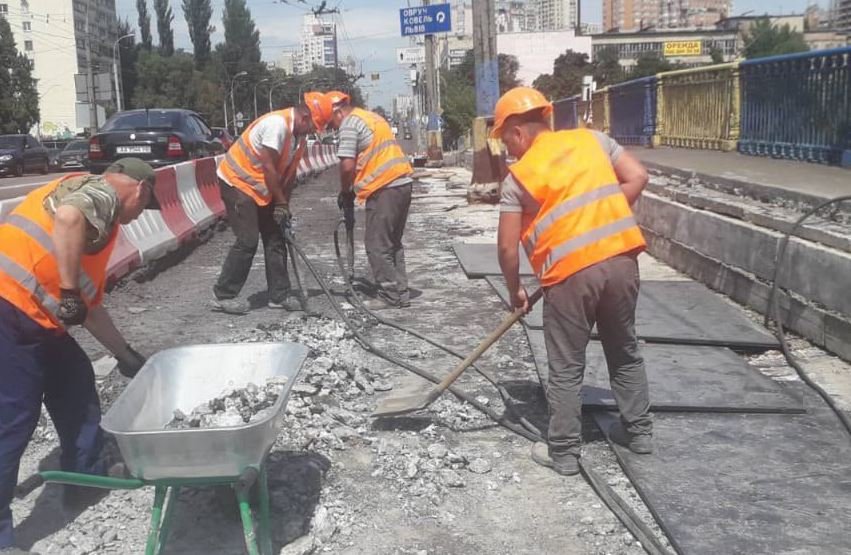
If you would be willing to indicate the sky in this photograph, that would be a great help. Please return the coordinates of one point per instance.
(368, 31)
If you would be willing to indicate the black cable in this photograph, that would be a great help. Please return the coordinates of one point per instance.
(774, 312)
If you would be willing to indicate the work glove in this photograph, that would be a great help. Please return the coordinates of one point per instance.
(281, 214)
(345, 200)
(72, 309)
(130, 364)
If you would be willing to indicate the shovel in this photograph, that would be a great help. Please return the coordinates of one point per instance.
(395, 406)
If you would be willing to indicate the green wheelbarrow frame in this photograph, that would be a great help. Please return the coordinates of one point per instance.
(169, 488)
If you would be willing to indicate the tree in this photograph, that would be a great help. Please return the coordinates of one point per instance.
(716, 55)
(650, 63)
(144, 23)
(240, 52)
(128, 53)
(167, 81)
(566, 78)
(766, 39)
(508, 66)
(380, 111)
(198, 14)
(164, 19)
(18, 95)
(607, 67)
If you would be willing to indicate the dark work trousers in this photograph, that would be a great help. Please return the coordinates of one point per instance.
(39, 365)
(605, 294)
(386, 215)
(249, 223)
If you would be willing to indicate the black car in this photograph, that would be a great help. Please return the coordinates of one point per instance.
(72, 157)
(22, 153)
(160, 137)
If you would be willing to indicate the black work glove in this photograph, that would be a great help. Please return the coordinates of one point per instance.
(345, 200)
(72, 309)
(281, 214)
(132, 362)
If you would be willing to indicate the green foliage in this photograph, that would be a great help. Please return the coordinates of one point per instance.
(18, 95)
(128, 53)
(168, 82)
(716, 55)
(164, 19)
(144, 23)
(240, 52)
(607, 67)
(198, 14)
(766, 39)
(649, 64)
(566, 78)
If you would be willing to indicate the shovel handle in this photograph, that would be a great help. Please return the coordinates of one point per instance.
(506, 323)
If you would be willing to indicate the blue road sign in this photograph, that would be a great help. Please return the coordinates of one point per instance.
(425, 20)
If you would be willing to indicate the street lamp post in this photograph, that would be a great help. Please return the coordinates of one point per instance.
(118, 100)
(232, 103)
(255, 94)
(272, 88)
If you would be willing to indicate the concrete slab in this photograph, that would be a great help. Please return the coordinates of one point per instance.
(746, 483)
(795, 180)
(677, 312)
(683, 379)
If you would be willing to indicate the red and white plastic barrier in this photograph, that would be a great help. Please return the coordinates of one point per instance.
(190, 202)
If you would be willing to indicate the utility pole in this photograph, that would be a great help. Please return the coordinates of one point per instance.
(90, 78)
(434, 143)
(487, 165)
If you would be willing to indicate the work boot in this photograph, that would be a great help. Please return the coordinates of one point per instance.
(230, 306)
(638, 444)
(287, 303)
(566, 465)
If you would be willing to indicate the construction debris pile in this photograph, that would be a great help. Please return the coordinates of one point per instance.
(232, 407)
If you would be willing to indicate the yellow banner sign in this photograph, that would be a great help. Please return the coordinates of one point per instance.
(683, 48)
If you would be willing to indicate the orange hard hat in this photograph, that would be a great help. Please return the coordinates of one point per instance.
(320, 109)
(338, 97)
(518, 100)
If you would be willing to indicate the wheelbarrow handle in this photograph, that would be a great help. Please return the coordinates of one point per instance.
(90, 480)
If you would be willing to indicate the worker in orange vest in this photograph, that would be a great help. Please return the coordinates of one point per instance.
(256, 179)
(567, 199)
(54, 250)
(375, 170)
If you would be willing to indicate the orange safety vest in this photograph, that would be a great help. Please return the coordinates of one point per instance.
(584, 216)
(242, 168)
(383, 161)
(29, 272)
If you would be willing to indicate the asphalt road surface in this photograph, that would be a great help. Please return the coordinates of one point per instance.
(11, 187)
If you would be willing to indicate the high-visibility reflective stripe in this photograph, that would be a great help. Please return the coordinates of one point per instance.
(366, 181)
(241, 173)
(87, 284)
(567, 207)
(28, 282)
(362, 160)
(574, 244)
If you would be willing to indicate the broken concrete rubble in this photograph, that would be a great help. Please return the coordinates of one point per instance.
(232, 407)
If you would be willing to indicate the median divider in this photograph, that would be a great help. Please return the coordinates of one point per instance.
(190, 202)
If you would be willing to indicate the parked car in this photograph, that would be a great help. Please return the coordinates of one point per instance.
(72, 157)
(160, 137)
(22, 153)
(223, 136)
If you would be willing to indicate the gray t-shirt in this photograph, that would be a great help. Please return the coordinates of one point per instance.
(515, 198)
(355, 137)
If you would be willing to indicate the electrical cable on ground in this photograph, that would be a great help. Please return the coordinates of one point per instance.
(773, 312)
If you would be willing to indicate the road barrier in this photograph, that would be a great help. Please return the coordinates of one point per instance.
(798, 106)
(600, 110)
(698, 108)
(632, 111)
(190, 202)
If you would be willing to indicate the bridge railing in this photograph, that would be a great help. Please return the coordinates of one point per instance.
(797, 106)
(600, 110)
(632, 111)
(566, 113)
(699, 107)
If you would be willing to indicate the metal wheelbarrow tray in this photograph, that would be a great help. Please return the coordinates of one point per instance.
(169, 460)
(183, 378)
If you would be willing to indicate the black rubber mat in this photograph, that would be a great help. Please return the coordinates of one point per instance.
(678, 312)
(683, 379)
(747, 483)
(479, 260)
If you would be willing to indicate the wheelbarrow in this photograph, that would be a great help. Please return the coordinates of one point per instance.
(169, 460)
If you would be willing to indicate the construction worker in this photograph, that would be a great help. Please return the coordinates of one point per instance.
(567, 198)
(54, 250)
(375, 170)
(256, 179)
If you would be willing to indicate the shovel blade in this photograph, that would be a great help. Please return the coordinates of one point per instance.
(397, 406)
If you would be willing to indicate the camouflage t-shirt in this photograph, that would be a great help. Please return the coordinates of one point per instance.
(98, 202)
